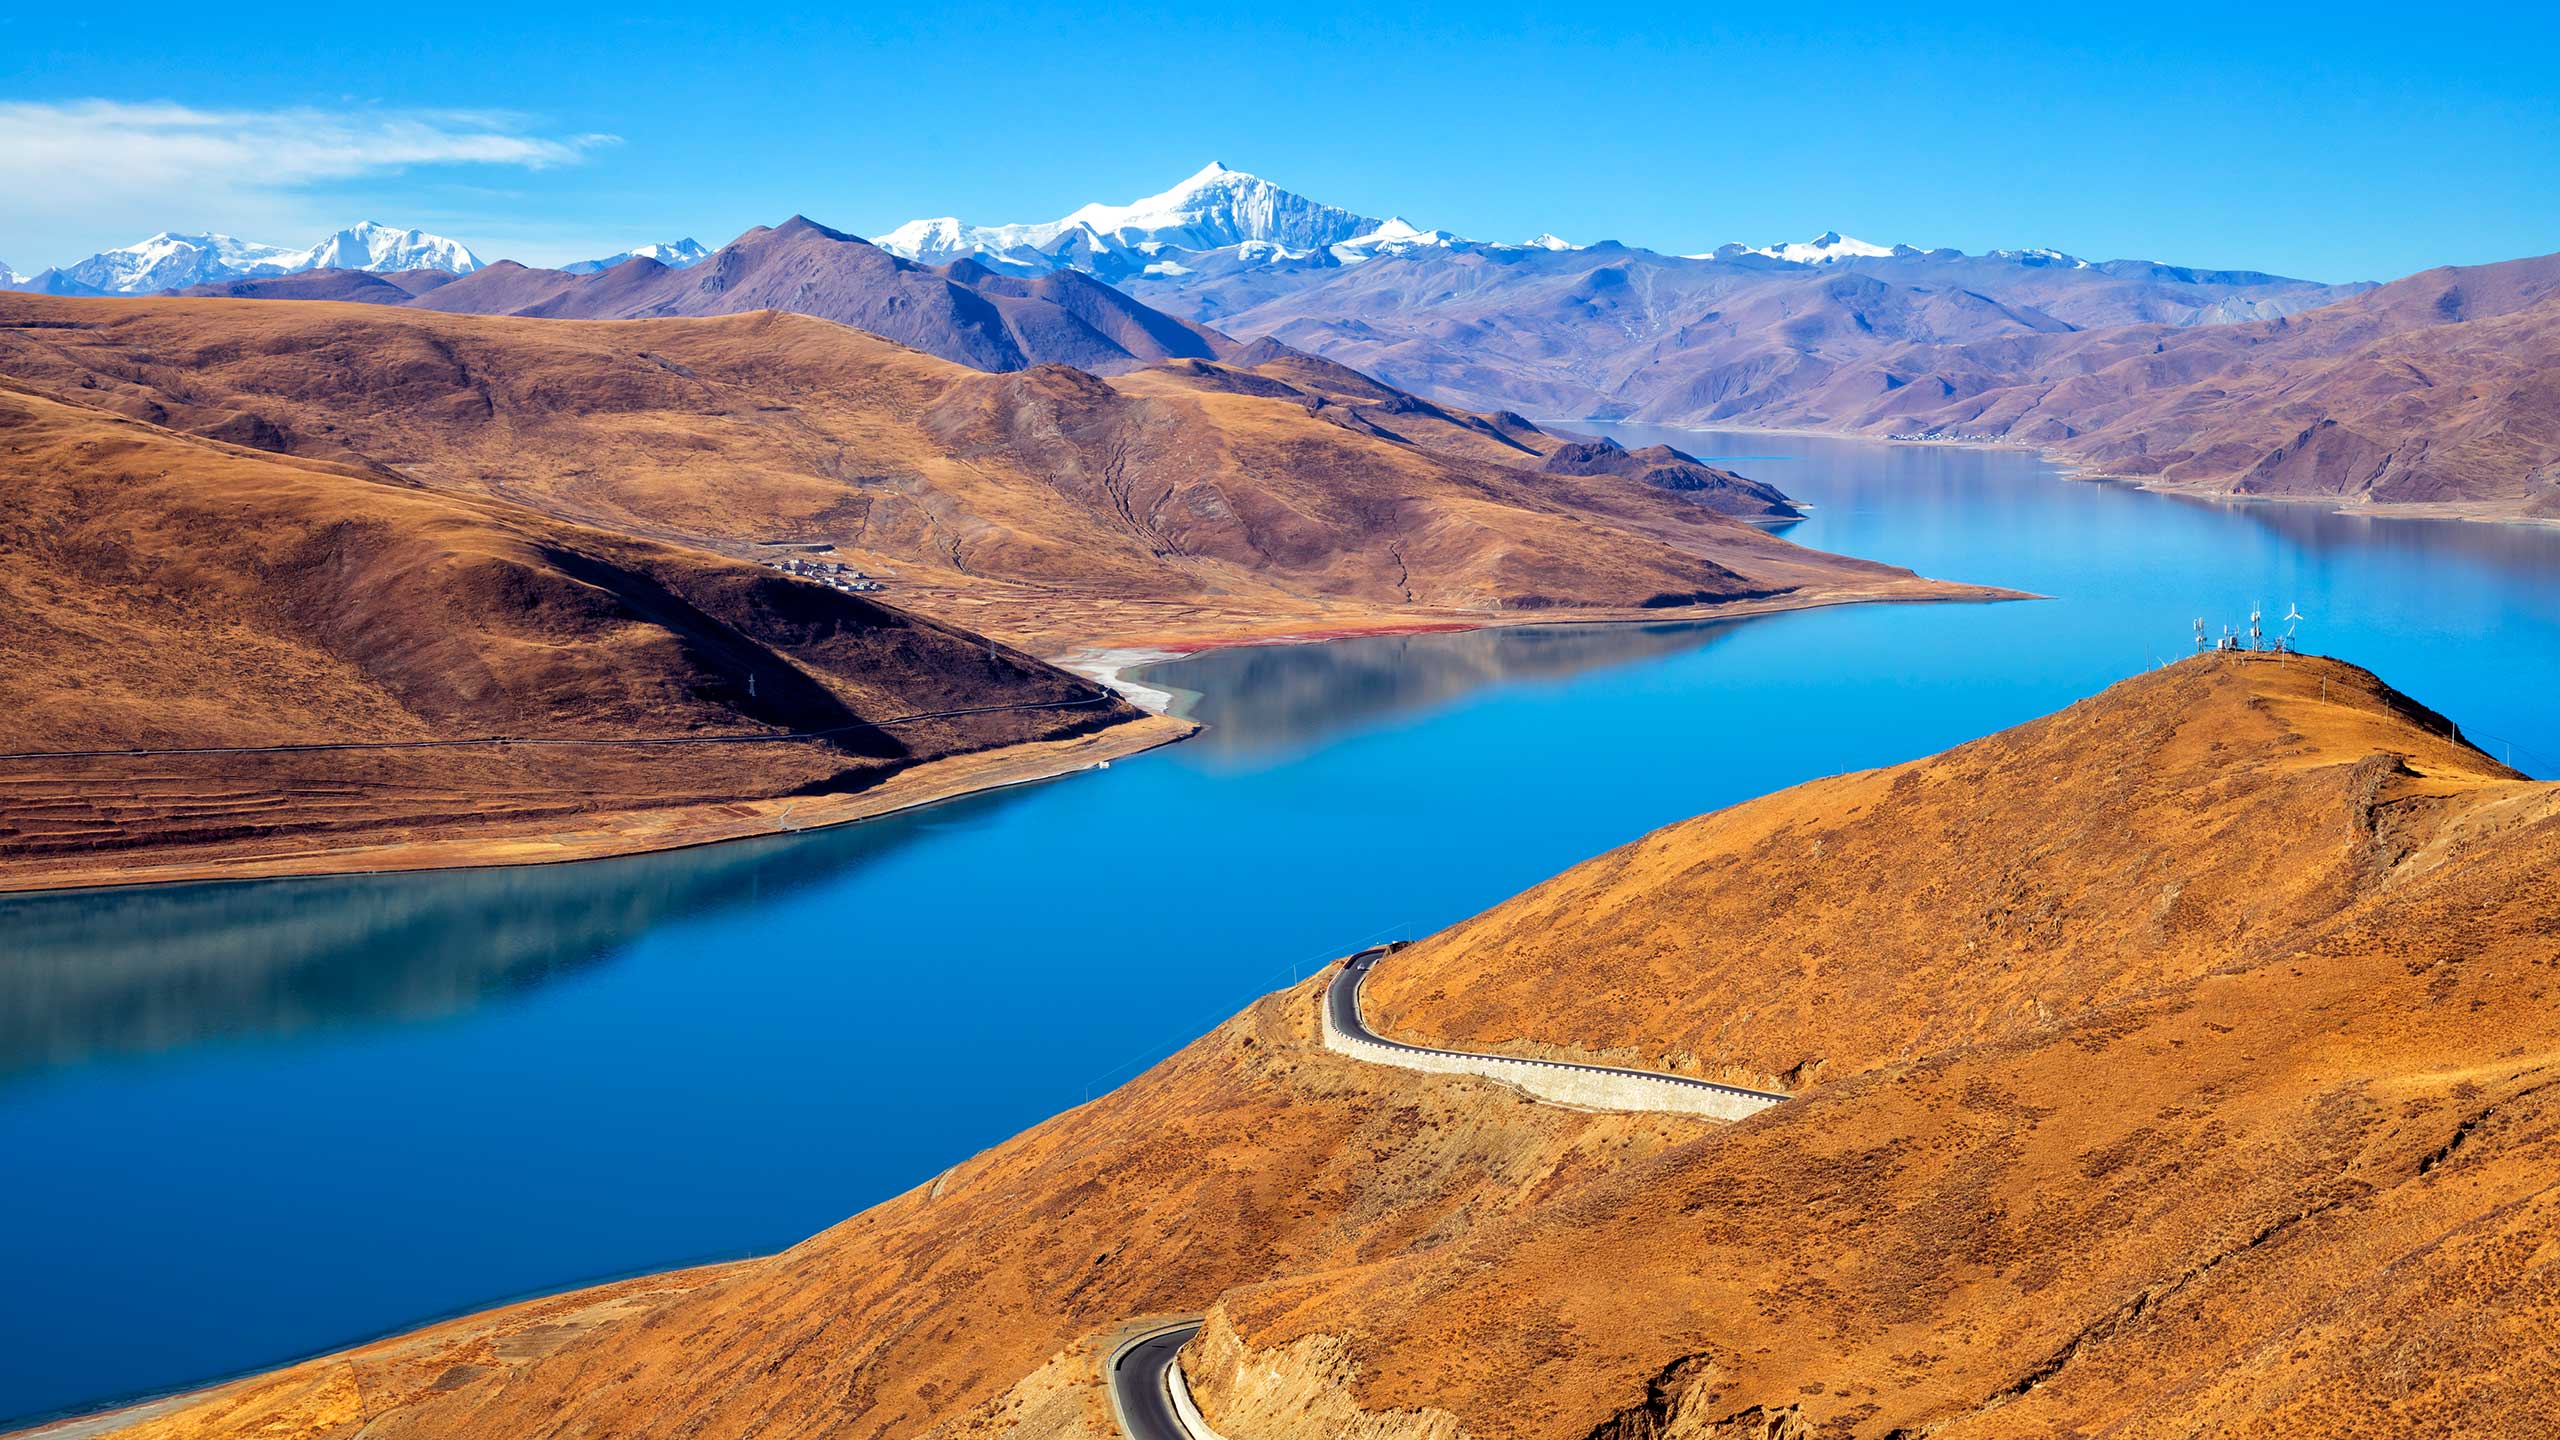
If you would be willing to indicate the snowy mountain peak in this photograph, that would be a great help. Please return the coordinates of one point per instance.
(1550, 241)
(1830, 245)
(174, 261)
(1393, 236)
(1218, 208)
(941, 235)
(674, 254)
(383, 249)
(167, 260)
(2041, 257)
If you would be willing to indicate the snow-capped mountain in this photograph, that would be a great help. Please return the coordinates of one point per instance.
(674, 254)
(1216, 217)
(2039, 257)
(366, 245)
(1222, 224)
(1831, 245)
(169, 261)
(165, 261)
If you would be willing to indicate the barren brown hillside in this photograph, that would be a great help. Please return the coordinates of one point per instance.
(2433, 394)
(1043, 505)
(2208, 824)
(168, 593)
(963, 311)
(2264, 1154)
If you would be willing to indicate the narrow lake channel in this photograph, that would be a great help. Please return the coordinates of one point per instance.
(243, 1123)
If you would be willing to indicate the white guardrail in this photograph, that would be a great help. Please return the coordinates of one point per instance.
(1590, 1086)
(1186, 1411)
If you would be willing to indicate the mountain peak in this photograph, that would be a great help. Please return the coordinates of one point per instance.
(173, 260)
(374, 246)
(674, 254)
(1826, 247)
(1217, 208)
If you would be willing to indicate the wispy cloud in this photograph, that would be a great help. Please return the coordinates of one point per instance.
(107, 165)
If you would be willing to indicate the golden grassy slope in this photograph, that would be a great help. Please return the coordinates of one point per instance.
(1026, 504)
(1851, 922)
(167, 591)
(2301, 1186)
(2288, 1174)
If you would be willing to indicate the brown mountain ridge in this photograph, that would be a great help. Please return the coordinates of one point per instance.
(962, 312)
(1048, 505)
(171, 594)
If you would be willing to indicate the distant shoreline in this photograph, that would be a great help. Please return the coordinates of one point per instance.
(2473, 512)
(661, 829)
(644, 832)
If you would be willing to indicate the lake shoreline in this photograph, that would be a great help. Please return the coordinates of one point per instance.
(652, 831)
(2480, 512)
(663, 829)
(1111, 662)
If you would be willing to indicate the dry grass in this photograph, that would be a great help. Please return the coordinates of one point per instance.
(1048, 494)
(167, 591)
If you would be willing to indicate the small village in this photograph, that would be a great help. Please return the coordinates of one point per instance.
(834, 574)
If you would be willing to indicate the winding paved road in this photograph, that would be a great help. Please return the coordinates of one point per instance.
(1141, 1371)
(1342, 1005)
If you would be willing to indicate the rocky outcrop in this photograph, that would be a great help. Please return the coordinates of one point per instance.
(1303, 1391)
(1664, 468)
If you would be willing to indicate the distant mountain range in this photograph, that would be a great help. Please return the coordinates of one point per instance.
(169, 261)
(172, 261)
(1222, 219)
(2141, 368)
(674, 254)
(1218, 216)
(962, 312)
(2441, 390)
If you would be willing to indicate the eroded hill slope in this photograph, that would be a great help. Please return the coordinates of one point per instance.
(1045, 504)
(170, 593)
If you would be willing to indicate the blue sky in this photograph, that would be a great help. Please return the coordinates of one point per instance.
(2336, 142)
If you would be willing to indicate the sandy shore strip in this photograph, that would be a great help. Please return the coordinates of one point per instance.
(631, 832)
(1106, 666)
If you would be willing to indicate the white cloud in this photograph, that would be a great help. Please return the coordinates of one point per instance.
(86, 168)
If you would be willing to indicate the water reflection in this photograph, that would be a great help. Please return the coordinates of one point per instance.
(94, 973)
(1268, 703)
(2501, 548)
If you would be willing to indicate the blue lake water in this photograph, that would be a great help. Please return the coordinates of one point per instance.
(244, 1123)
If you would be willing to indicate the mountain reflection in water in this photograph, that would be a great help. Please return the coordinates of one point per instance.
(1271, 702)
(94, 973)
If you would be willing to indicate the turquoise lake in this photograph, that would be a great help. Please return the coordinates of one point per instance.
(244, 1123)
